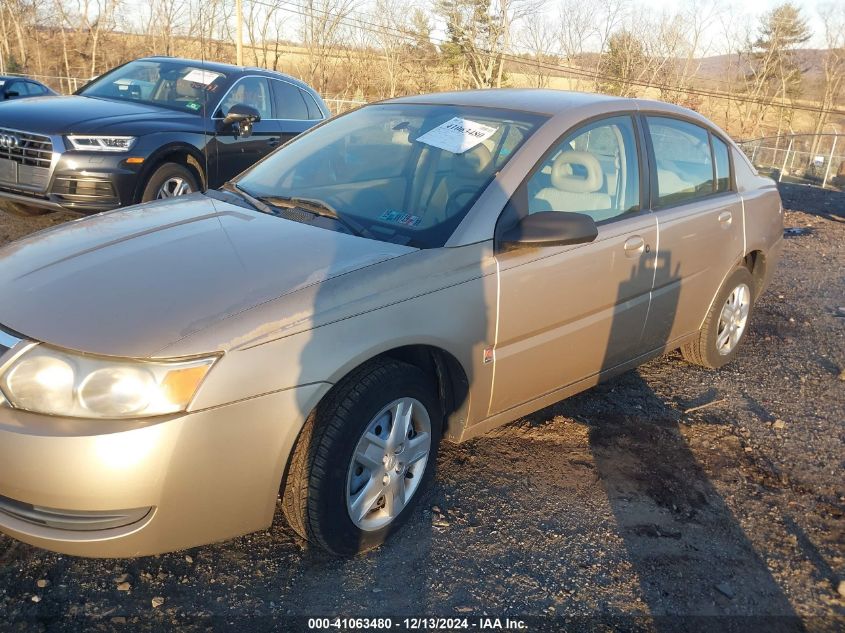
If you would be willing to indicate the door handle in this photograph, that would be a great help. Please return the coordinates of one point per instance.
(272, 142)
(634, 246)
(725, 218)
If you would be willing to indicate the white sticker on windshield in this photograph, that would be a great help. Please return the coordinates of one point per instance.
(2, 81)
(457, 135)
(203, 77)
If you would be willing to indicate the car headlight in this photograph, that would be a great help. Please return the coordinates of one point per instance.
(101, 143)
(44, 380)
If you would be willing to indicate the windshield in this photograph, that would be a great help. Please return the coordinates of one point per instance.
(168, 84)
(406, 173)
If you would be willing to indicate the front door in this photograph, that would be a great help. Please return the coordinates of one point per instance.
(568, 313)
(234, 152)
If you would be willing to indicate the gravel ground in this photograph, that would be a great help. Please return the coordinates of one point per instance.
(621, 508)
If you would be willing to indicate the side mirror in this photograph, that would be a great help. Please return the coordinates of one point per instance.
(11, 94)
(551, 228)
(241, 117)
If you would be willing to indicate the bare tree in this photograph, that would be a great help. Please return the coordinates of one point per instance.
(479, 33)
(321, 28)
(833, 64)
(539, 38)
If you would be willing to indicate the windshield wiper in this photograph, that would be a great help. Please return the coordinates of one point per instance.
(273, 205)
(254, 202)
(319, 208)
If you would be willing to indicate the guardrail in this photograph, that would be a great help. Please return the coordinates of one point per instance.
(814, 159)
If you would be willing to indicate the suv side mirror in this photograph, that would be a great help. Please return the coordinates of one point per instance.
(551, 228)
(11, 94)
(241, 117)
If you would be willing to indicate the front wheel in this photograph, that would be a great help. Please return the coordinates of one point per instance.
(363, 457)
(726, 322)
(169, 180)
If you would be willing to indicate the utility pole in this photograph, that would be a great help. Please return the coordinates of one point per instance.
(239, 44)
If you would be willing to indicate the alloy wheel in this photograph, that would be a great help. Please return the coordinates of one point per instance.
(175, 186)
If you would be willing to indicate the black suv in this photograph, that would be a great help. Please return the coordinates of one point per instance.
(152, 128)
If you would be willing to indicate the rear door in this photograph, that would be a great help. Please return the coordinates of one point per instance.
(700, 225)
(291, 109)
(568, 313)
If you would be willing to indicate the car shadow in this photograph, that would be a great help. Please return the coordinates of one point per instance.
(695, 565)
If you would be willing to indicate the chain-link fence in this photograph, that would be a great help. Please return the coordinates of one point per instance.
(813, 159)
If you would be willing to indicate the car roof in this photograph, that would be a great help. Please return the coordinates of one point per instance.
(540, 100)
(228, 68)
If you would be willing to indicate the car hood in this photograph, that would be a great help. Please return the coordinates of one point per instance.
(84, 115)
(131, 282)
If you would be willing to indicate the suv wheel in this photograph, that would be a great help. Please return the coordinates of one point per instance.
(363, 457)
(169, 180)
(726, 322)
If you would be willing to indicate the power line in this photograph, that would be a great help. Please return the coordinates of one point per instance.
(410, 36)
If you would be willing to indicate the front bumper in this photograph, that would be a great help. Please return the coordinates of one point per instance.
(82, 182)
(190, 479)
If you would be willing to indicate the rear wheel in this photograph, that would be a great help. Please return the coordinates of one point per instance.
(363, 457)
(169, 180)
(726, 322)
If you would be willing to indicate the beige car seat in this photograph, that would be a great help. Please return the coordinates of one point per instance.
(469, 171)
(574, 193)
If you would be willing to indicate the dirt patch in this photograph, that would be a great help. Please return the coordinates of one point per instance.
(614, 508)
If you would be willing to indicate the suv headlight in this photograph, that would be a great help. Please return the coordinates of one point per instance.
(44, 380)
(101, 143)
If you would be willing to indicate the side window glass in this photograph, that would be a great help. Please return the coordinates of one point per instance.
(684, 162)
(251, 91)
(314, 112)
(723, 164)
(594, 171)
(19, 87)
(289, 102)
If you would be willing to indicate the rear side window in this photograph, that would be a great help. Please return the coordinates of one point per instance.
(723, 165)
(35, 89)
(314, 112)
(289, 102)
(683, 158)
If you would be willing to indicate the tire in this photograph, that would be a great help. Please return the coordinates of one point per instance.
(325, 477)
(711, 349)
(169, 177)
(24, 210)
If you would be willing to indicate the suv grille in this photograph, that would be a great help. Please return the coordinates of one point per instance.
(25, 148)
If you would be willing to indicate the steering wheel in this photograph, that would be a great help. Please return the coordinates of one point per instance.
(451, 205)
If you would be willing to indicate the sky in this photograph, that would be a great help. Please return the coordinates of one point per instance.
(736, 11)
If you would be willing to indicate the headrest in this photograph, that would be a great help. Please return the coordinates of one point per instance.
(474, 162)
(584, 180)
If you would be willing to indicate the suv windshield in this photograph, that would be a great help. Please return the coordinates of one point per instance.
(168, 84)
(406, 173)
